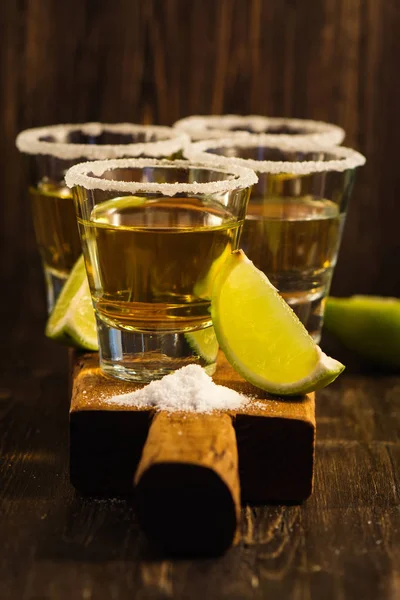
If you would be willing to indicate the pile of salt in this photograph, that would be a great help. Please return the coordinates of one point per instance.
(188, 389)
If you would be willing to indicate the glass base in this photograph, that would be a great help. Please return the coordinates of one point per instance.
(310, 310)
(306, 293)
(143, 357)
(54, 284)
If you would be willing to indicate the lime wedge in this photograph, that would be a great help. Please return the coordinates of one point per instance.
(204, 342)
(72, 321)
(203, 288)
(261, 336)
(115, 204)
(367, 325)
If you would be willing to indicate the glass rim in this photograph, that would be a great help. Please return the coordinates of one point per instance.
(217, 126)
(78, 175)
(29, 141)
(343, 158)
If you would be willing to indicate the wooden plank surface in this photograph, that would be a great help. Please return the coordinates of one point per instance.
(343, 543)
(160, 60)
(275, 437)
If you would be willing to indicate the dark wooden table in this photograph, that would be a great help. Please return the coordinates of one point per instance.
(344, 543)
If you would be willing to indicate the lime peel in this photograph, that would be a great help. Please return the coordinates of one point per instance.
(118, 204)
(204, 342)
(369, 326)
(72, 321)
(261, 336)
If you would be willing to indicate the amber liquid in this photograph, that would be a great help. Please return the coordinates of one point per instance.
(151, 265)
(295, 242)
(55, 226)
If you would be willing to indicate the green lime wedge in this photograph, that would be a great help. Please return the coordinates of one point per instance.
(203, 287)
(119, 203)
(204, 342)
(367, 325)
(261, 336)
(72, 321)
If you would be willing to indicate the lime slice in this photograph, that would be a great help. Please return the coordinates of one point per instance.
(261, 336)
(282, 176)
(204, 342)
(117, 204)
(72, 321)
(203, 287)
(367, 325)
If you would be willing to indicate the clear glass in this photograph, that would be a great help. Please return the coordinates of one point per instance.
(52, 204)
(294, 221)
(151, 259)
(219, 126)
(54, 222)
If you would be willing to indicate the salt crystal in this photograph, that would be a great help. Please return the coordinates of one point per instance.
(89, 175)
(216, 126)
(157, 141)
(188, 389)
(340, 158)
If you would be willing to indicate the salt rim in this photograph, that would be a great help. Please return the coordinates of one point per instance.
(29, 141)
(344, 158)
(189, 389)
(216, 126)
(78, 176)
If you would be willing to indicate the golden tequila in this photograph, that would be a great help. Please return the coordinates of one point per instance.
(295, 242)
(151, 262)
(55, 226)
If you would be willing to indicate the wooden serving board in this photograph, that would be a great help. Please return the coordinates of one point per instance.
(189, 472)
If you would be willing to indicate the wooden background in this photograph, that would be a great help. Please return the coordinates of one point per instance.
(159, 60)
(156, 61)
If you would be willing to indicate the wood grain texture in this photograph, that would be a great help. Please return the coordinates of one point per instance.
(191, 462)
(275, 437)
(161, 60)
(158, 61)
(343, 543)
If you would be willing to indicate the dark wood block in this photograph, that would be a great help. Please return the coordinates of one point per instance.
(187, 491)
(276, 443)
(275, 438)
(106, 442)
(276, 458)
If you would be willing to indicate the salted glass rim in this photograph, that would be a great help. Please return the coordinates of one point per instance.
(88, 175)
(210, 126)
(343, 158)
(30, 141)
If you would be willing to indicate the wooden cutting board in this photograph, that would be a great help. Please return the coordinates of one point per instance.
(189, 472)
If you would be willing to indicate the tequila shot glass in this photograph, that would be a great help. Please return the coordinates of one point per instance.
(296, 212)
(220, 126)
(53, 151)
(154, 233)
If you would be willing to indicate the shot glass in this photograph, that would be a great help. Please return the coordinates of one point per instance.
(296, 213)
(54, 150)
(154, 233)
(220, 126)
